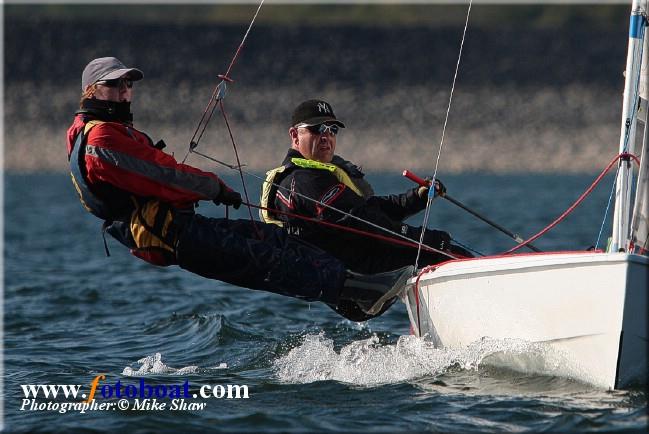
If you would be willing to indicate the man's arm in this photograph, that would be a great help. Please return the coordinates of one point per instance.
(130, 163)
(400, 206)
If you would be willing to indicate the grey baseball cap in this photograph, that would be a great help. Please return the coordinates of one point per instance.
(107, 68)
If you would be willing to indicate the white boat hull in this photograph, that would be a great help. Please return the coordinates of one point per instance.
(589, 309)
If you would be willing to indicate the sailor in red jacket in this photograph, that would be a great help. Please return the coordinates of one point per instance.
(146, 199)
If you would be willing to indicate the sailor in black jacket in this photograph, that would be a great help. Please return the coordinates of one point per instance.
(311, 170)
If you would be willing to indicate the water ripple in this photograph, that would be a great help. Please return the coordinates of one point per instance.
(71, 314)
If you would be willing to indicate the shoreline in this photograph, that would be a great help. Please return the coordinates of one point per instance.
(569, 129)
(544, 100)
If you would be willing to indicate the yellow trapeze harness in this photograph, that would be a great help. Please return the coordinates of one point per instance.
(269, 188)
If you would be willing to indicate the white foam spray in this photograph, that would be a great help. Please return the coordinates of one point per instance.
(368, 363)
(152, 365)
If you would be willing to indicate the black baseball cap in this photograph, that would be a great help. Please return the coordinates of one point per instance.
(107, 68)
(314, 112)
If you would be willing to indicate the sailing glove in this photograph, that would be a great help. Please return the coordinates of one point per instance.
(227, 196)
(440, 189)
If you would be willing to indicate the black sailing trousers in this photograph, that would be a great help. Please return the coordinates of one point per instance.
(230, 251)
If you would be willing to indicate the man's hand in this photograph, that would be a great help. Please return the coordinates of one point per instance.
(227, 196)
(440, 189)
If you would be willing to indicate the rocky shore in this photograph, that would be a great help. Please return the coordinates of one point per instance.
(541, 100)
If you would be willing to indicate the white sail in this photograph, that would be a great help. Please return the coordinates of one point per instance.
(643, 90)
(640, 216)
(640, 220)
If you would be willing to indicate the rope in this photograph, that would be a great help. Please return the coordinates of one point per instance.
(217, 99)
(226, 76)
(441, 144)
(424, 270)
(579, 200)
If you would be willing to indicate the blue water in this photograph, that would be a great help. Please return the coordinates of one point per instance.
(71, 314)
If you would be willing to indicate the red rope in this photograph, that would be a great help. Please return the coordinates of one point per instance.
(412, 244)
(577, 202)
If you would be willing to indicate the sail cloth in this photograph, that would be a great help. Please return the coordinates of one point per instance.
(640, 216)
(640, 219)
(644, 72)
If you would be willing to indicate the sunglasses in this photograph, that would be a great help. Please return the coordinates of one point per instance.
(322, 128)
(117, 82)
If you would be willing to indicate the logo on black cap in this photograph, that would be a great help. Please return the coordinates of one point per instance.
(314, 112)
(323, 107)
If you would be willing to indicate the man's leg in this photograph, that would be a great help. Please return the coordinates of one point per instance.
(228, 250)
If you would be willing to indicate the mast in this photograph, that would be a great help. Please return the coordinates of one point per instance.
(622, 214)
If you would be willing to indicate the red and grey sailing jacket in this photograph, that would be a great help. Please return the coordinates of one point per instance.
(121, 176)
(118, 160)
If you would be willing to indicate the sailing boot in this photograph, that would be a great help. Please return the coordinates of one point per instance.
(370, 292)
(352, 312)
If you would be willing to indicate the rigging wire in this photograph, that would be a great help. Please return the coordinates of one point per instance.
(217, 100)
(243, 182)
(219, 91)
(608, 207)
(431, 192)
(461, 244)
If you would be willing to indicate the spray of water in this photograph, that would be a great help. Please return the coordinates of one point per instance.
(369, 363)
(153, 365)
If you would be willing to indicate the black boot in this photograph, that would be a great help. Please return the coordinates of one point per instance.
(352, 312)
(370, 292)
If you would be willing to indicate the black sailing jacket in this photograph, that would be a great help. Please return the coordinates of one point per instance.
(358, 252)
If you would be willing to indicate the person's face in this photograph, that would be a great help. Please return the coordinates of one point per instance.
(313, 144)
(118, 90)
